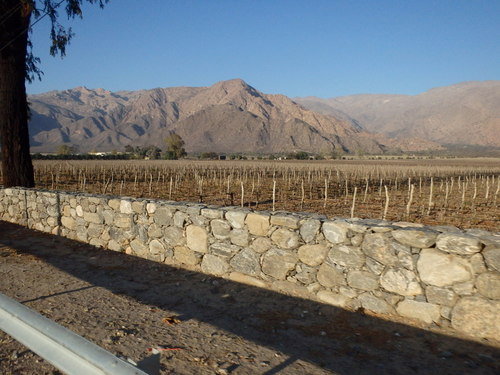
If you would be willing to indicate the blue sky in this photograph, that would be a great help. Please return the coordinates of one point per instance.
(324, 48)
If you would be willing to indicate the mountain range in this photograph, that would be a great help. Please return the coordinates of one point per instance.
(467, 113)
(232, 116)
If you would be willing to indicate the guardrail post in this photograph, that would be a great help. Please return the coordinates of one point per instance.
(63, 348)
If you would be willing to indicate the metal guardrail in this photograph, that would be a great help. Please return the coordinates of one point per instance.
(63, 348)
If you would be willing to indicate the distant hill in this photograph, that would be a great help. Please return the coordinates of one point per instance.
(228, 117)
(463, 114)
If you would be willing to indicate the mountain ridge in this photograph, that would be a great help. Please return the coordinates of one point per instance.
(464, 113)
(229, 116)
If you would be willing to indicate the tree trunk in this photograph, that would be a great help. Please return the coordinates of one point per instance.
(16, 159)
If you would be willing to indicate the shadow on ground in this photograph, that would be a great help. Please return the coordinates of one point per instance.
(334, 339)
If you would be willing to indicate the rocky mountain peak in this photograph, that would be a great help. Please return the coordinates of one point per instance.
(229, 116)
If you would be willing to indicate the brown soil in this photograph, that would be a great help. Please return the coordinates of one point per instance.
(127, 305)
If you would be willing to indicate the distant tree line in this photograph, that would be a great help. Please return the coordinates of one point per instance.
(174, 150)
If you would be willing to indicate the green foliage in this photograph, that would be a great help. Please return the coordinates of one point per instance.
(209, 155)
(39, 156)
(337, 153)
(168, 155)
(300, 155)
(67, 149)
(60, 36)
(144, 152)
(175, 145)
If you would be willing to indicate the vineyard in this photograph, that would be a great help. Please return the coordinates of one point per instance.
(460, 192)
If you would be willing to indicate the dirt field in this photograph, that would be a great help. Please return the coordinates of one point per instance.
(214, 326)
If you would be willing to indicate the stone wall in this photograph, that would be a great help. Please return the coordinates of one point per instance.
(435, 275)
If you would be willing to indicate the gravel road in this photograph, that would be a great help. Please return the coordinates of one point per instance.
(212, 326)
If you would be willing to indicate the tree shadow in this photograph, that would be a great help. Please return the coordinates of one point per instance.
(334, 339)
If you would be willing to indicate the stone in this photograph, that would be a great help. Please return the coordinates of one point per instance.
(492, 258)
(490, 240)
(119, 235)
(52, 221)
(285, 221)
(105, 235)
(488, 284)
(224, 250)
(400, 281)
(375, 304)
(248, 280)
(174, 236)
(139, 247)
(362, 280)
(94, 200)
(95, 230)
(309, 229)
(66, 211)
(150, 208)
(376, 267)
(356, 227)
(126, 207)
(68, 222)
(476, 316)
(261, 244)
(246, 261)
(122, 221)
(163, 216)
(314, 288)
(155, 231)
(334, 233)
(220, 229)
(214, 265)
(378, 246)
(239, 237)
(464, 289)
(182, 254)
(258, 224)
(446, 312)
(180, 218)
(278, 263)
(329, 276)
(194, 209)
(81, 233)
(236, 219)
(381, 228)
(156, 247)
(441, 269)
(211, 213)
(93, 218)
(357, 240)
(197, 238)
(79, 211)
(312, 255)
(415, 237)
(305, 274)
(290, 288)
(334, 299)
(138, 207)
(461, 244)
(406, 260)
(426, 312)
(477, 263)
(114, 204)
(108, 216)
(346, 256)
(113, 245)
(348, 292)
(285, 238)
(440, 296)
